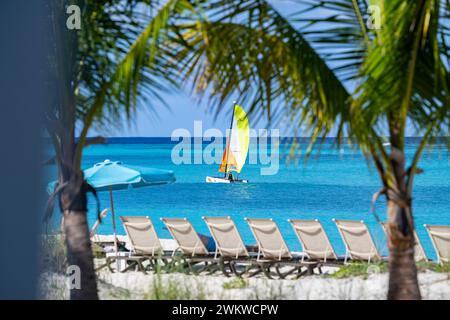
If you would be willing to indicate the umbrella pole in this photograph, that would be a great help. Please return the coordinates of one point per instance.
(114, 225)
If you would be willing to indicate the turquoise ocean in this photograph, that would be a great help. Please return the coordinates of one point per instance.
(337, 184)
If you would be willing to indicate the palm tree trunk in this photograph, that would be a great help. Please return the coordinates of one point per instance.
(403, 282)
(79, 251)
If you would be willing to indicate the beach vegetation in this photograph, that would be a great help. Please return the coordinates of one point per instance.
(365, 269)
(168, 288)
(235, 283)
(120, 293)
(53, 286)
(356, 269)
(436, 267)
(442, 267)
(54, 253)
(98, 252)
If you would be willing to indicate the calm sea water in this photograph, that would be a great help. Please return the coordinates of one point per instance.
(338, 184)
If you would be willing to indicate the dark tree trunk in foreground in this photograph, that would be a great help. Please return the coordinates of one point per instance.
(403, 283)
(79, 251)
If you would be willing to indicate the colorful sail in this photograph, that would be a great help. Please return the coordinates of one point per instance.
(236, 149)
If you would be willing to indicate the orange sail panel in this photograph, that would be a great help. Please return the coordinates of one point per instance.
(232, 163)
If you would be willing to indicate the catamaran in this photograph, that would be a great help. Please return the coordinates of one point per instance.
(236, 149)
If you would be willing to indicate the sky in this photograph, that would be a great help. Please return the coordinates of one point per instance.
(182, 112)
(183, 109)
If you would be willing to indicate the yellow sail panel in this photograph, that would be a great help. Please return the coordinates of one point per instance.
(243, 130)
(236, 149)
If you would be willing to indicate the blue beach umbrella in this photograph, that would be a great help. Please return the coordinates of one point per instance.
(113, 175)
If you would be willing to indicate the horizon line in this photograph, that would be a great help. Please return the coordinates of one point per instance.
(331, 137)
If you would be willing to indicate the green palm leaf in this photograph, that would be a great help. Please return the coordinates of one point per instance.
(249, 52)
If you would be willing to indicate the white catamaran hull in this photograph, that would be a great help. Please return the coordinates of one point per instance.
(223, 180)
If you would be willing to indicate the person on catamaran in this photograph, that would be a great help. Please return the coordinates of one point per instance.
(230, 176)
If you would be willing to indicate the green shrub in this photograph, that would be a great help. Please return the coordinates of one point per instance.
(97, 251)
(444, 268)
(359, 269)
(433, 266)
(236, 283)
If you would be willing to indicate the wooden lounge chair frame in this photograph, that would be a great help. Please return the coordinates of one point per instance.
(236, 257)
(191, 260)
(284, 259)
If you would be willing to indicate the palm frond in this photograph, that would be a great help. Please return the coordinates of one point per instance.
(142, 67)
(249, 52)
(338, 30)
(404, 80)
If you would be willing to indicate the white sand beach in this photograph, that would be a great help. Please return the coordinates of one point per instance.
(372, 284)
(136, 285)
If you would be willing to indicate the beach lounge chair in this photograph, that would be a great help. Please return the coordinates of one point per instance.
(144, 245)
(226, 236)
(230, 247)
(440, 237)
(315, 241)
(419, 252)
(144, 241)
(358, 242)
(272, 250)
(193, 250)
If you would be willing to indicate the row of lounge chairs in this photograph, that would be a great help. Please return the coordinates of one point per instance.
(270, 256)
